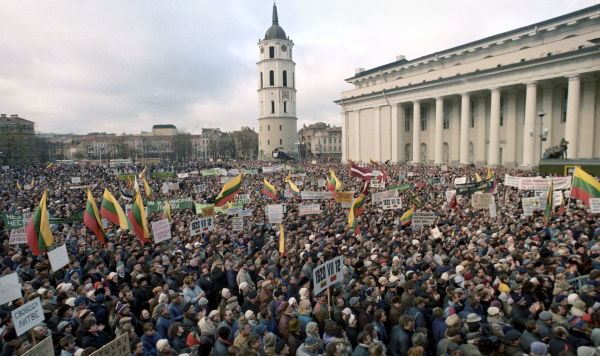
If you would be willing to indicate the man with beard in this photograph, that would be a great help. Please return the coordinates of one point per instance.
(207, 284)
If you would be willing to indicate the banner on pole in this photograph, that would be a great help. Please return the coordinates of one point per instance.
(27, 316)
(327, 274)
(161, 230)
(58, 257)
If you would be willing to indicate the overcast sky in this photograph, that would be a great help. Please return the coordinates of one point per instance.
(123, 66)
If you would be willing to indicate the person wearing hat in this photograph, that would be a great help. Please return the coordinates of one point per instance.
(67, 344)
(512, 342)
(544, 324)
(309, 347)
(281, 348)
(495, 321)
(163, 347)
(589, 295)
(243, 275)
(537, 348)
(222, 343)
(295, 336)
(251, 302)
(400, 338)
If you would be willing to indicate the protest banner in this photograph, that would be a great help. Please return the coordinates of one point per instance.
(437, 180)
(75, 180)
(460, 180)
(482, 200)
(237, 223)
(127, 177)
(391, 203)
(399, 187)
(245, 212)
(10, 289)
(450, 194)
(208, 211)
(344, 197)
(595, 205)
(274, 213)
(18, 236)
(223, 171)
(42, 348)
(159, 175)
(86, 186)
(27, 316)
(387, 194)
(234, 210)
(58, 257)
(376, 183)
(233, 172)
(327, 274)
(118, 347)
(421, 218)
(201, 226)
(161, 230)
(309, 209)
(469, 188)
(225, 179)
(529, 205)
(493, 212)
(243, 198)
(511, 181)
(310, 195)
(13, 221)
(158, 205)
(211, 172)
(273, 169)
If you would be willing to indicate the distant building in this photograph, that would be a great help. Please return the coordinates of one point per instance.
(321, 140)
(164, 130)
(17, 141)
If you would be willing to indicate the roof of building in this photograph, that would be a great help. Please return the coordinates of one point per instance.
(14, 119)
(167, 126)
(275, 32)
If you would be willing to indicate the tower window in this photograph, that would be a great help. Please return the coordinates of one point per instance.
(271, 52)
(272, 107)
(271, 78)
(268, 127)
(285, 78)
(268, 142)
(280, 141)
(261, 80)
(285, 106)
(280, 127)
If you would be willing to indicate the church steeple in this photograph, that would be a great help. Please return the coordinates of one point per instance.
(275, 20)
(275, 31)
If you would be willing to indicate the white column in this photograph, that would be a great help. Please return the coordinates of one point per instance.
(439, 126)
(377, 124)
(358, 149)
(572, 125)
(494, 152)
(529, 125)
(394, 128)
(344, 139)
(416, 144)
(465, 108)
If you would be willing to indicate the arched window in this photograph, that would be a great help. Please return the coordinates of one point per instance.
(272, 107)
(285, 106)
(271, 78)
(261, 80)
(285, 78)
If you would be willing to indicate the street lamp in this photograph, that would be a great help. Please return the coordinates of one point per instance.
(543, 133)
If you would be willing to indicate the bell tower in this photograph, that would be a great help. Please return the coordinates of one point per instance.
(276, 93)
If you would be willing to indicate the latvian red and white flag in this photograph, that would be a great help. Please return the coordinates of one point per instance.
(362, 173)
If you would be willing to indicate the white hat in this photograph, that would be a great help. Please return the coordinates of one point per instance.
(572, 298)
(161, 344)
(493, 311)
(225, 291)
(243, 285)
(249, 314)
(70, 302)
(460, 268)
(111, 275)
(66, 287)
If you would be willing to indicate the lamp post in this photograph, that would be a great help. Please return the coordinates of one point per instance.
(543, 133)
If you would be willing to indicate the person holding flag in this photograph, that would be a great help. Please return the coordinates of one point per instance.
(91, 218)
(549, 202)
(269, 190)
(112, 211)
(137, 217)
(293, 189)
(167, 211)
(355, 210)
(39, 234)
(407, 217)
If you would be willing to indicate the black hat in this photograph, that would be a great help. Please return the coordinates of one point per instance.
(279, 345)
(67, 339)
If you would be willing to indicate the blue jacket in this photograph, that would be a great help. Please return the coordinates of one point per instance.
(149, 344)
(175, 312)
(162, 327)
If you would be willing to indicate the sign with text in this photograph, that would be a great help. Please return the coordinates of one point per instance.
(482, 200)
(309, 209)
(161, 230)
(208, 211)
(199, 188)
(511, 181)
(234, 210)
(493, 212)
(460, 180)
(377, 197)
(391, 203)
(273, 169)
(75, 180)
(421, 218)
(58, 257)
(435, 232)
(344, 197)
(274, 213)
(243, 198)
(321, 182)
(201, 226)
(118, 347)
(450, 194)
(10, 289)
(376, 183)
(225, 179)
(595, 205)
(42, 348)
(237, 223)
(310, 195)
(13, 221)
(27, 316)
(529, 205)
(182, 175)
(327, 274)
(174, 204)
(18, 236)
(246, 212)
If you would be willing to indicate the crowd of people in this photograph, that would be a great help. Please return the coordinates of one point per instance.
(503, 285)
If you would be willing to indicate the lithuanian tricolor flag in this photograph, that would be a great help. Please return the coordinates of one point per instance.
(18, 186)
(167, 212)
(407, 217)
(229, 191)
(282, 249)
(49, 166)
(336, 182)
(269, 189)
(143, 173)
(148, 190)
(477, 177)
(355, 210)
(111, 210)
(584, 186)
(91, 218)
(137, 217)
(39, 235)
(549, 203)
(294, 190)
(490, 173)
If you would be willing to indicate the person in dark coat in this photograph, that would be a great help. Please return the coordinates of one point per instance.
(222, 344)
(400, 339)
(94, 335)
(364, 340)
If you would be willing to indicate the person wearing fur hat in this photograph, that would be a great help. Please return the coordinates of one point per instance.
(163, 348)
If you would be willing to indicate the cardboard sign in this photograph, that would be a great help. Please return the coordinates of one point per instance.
(344, 197)
(208, 211)
(435, 232)
(482, 200)
(237, 223)
(450, 194)
(460, 180)
(246, 212)
(118, 347)
(391, 203)
(309, 195)
(201, 226)
(27, 316)
(493, 212)
(18, 236)
(595, 205)
(421, 218)
(377, 197)
(243, 198)
(42, 348)
(58, 257)
(161, 230)
(309, 209)
(10, 289)
(234, 210)
(327, 274)
(321, 182)
(75, 180)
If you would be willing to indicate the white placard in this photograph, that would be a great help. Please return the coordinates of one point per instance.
(481, 200)
(493, 212)
(460, 180)
(182, 175)
(310, 195)
(386, 194)
(595, 205)
(273, 169)
(161, 230)
(75, 180)
(234, 210)
(327, 274)
(27, 316)
(321, 182)
(435, 232)
(299, 183)
(309, 209)
(410, 174)
(237, 223)
(444, 168)
(234, 172)
(104, 223)
(18, 236)
(450, 194)
(246, 212)
(243, 198)
(199, 188)
(10, 289)
(421, 218)
(529, 205)
(511, 181)
(225, 179)
(223, 172)
(58, 257)
(201, 226)
(391, 203)
(375, 183)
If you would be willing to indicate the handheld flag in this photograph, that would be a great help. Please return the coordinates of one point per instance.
(269, 190)
(18, 185)
(355, 210)
(454, 205)
(32, 182)
(49, 166)
(143, 173)
(148, 190)
(137, 217)
(362, 173)
(91, 218)
(490, 173)
(111, 210)
(167, 211)
(229, 191)
(336, 182)
(294, 190)
(39, 234)
(136, 186)
(282, 249)
(549, 203)
(407, 217)
(584, 186)
(478, 177)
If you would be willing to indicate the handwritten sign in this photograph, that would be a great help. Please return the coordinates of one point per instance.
(237, 223)
(201, 226)
(595, 205)
(208, 211)
(42, 348)
(234, 210)
(482, 200)
(387, 194)
(161, 230)
(10, 289)
(327, 274)
(243, 198)
(18, 236)
(529, 205)
(421, 218)
(460, 180)
(246, 212)
(309, 209)
(27, 316)
(118, 347)
(391, 203)
(344, 197)
(58, 258)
